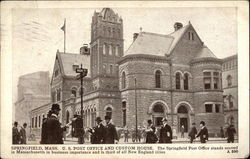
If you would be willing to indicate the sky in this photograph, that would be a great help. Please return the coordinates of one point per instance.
(37, 35)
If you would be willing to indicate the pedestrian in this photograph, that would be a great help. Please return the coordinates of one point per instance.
(182, 131)
(192, 133)
(150, 133)
(110, 136)
(222, 135)
(44, 131)
(230, 134)
(23, 134)
(139, 133)
(53, 126)
(15, 134)
(97, 133)
(126, 132)
(203, 133)
(166, 134)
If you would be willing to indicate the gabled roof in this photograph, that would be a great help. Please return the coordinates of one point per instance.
(204, 53)
(156, 44)
(67, 60)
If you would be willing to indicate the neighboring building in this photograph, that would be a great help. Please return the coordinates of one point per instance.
(33, 91)
(177, 76)
(230, 89)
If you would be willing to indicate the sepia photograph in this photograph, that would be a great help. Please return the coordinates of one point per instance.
(110, 74)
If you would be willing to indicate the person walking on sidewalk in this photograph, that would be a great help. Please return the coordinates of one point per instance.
(111, 136)
(55, 132)
(182, 131)
(203, 133)
(165, 132)
(23, 134)
(230, 134)
(15, 134)
(150, 131)
(192, 133)
(97, 133)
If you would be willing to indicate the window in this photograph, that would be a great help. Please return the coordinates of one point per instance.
(32, 122)
(216, 80)
(39, 121)
(67, 117)
(185, 81)
(217, 108)
(59, 94)
(109, 112)
(56, 73)
(113, 33)
(73, 91)
(208, 108)
(178, 80)
(158, 108)
(229, 80)
(182, 110)
(123, 80)
(190, 35)
(104, 32)
(111, 69)
(230, 101)
(158, 79)
(104, 49)
(118, 33)
(124, 113)
(207, 80)
(110, 49)
(117, 50)
(36, 122)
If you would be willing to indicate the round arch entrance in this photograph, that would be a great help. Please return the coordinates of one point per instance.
(183, 117)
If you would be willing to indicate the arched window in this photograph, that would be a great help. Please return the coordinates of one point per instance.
(124, 113)
(109, 112)
(158, 114)
(123, 80)
(178, 80)
(158, 108)
(182, 109)
(67, 117)
(185, 81)
(73, 91)
(158, 79)
(118, 33)
(229, 80)
(117, 50)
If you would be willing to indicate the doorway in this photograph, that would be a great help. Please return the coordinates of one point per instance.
(184, 121)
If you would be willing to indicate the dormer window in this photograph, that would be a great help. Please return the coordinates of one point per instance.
(56, 73)
(190, 35)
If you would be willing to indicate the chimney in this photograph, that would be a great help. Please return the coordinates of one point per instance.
(177, 26)
(84, 50)
(135, 35)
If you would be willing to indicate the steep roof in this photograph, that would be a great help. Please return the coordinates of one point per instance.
(150, 43)
(67, 60)
(204, 53)
(157, 44)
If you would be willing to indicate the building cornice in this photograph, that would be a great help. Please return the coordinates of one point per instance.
(144, 57)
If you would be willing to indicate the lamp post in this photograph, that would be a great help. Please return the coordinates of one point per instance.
(82, 73)
(136, 128)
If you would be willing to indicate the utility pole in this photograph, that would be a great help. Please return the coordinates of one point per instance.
(136, 127)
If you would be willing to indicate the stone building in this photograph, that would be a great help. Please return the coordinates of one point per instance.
(230, 89)
(174, 76)
(33, 91)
